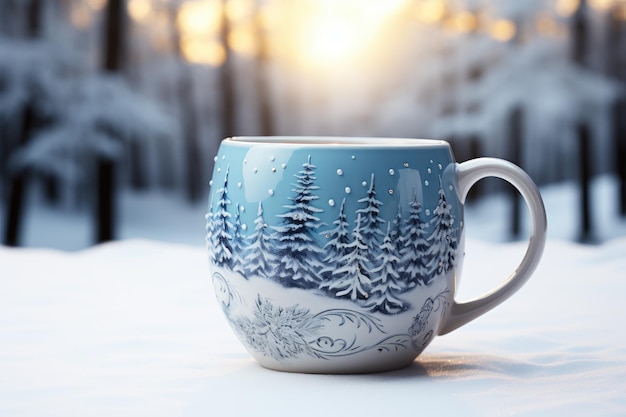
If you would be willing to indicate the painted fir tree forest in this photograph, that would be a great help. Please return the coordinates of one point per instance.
(372, 262)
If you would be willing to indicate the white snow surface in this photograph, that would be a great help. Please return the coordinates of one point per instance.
(132, 328)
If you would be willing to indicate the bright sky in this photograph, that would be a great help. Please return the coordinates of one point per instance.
(335, 30)
(316, 33)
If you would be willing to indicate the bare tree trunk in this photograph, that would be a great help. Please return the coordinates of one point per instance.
(190, 132)
(113, 38)
(580, 34)
(616, 68)
(18, 182)
(619, 141)
(15, 203)
(516, 138)
(114, 32)
(33, 16)
(585, 172)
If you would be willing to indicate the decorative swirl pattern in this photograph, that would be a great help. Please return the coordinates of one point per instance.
(226, 295)
(289, 332)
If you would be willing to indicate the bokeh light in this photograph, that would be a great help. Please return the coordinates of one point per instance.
(503, 30)
(567, 8)
(140, 10)
(201, 51)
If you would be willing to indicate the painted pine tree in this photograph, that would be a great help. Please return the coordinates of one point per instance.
(397, 230)
(371, 226)
(259, 259)
(221, 236)
(294, 242)
(442, 241)
(337, 246)
(238, 244)
(210, 230)
(413, 258)
(386, 281)
(352, 280)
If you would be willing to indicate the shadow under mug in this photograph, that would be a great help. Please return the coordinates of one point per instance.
(342, 255)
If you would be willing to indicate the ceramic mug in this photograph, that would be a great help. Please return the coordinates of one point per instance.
(342, 255)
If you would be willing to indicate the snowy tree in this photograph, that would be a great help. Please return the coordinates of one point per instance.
(441, 253)
(259, 258)
(563, 93)
(294, 242)
(414, 246)
(84, 127)
(337, 247)
(396, 231)
(53, 123)
(352, 280)
(238, 244)
(210, 230)
(371, 226)
(26, 67)
(221, 238)
(386, 281)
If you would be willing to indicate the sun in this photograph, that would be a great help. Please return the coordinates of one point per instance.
(331, 32)
(328, 40)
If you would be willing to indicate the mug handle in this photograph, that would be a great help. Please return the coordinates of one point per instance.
(468, 173)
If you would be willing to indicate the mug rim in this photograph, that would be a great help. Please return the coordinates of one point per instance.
(343, 141)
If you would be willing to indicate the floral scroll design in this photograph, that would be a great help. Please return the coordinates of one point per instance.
(289, 332)
(421, 320)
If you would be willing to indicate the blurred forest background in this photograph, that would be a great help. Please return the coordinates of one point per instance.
(105, 101)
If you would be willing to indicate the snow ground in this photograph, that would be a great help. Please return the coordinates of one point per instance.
(132, 328)
(168, 218)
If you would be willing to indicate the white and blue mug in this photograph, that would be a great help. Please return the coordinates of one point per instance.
(342, 255)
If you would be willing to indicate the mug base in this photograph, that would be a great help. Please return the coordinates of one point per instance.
(337, 368)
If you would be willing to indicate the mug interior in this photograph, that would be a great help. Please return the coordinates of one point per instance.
(383, 142)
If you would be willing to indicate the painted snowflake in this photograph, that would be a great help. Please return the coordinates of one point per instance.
(278, 332)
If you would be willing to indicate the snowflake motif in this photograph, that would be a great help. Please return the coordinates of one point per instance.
(290, 332)
(278, 332)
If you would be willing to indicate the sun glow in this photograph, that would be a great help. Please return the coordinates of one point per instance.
(333, 32)
(325, 40)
